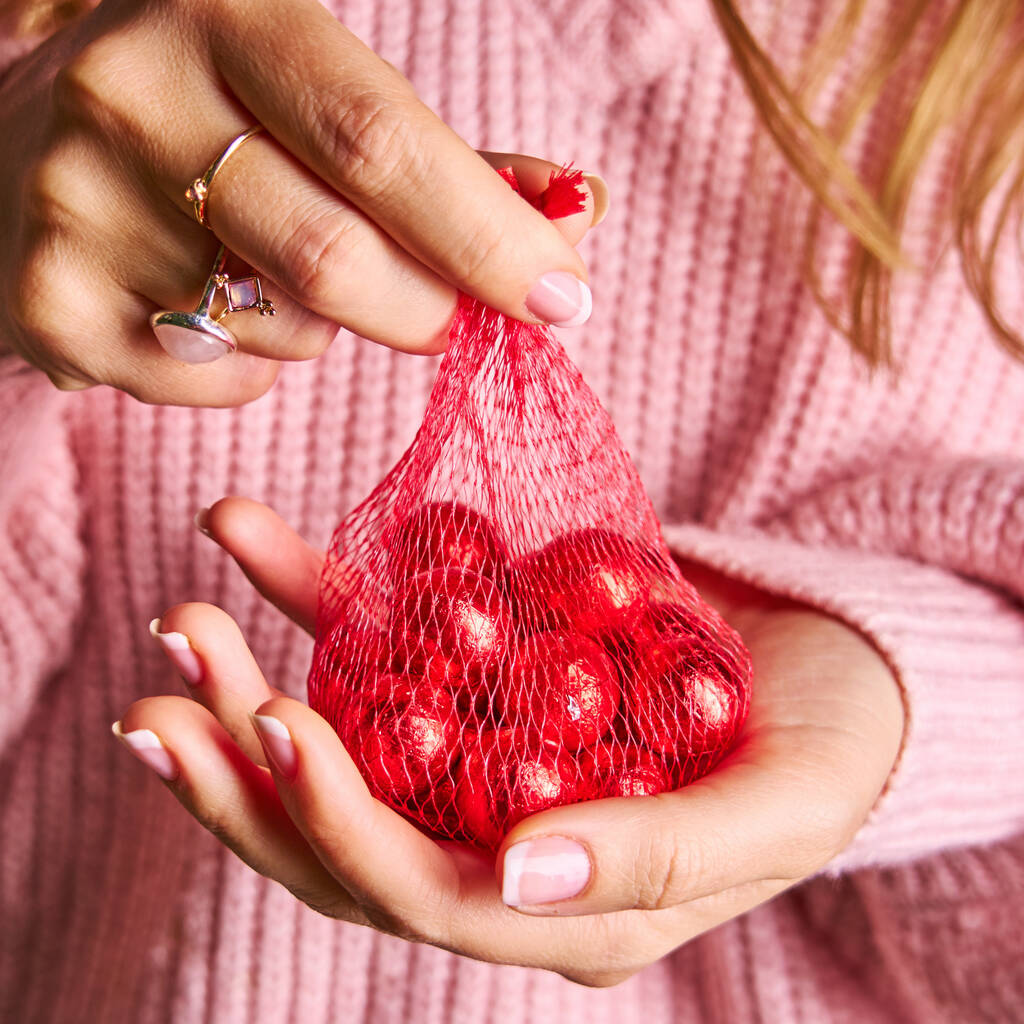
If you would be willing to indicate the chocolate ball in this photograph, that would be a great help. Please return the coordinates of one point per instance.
(625, 770)
(592, 582)
(460, 615)
(504, 777)
(560, 686)
(347, 663)
(680, 702)
(448, 535)
(401, 735)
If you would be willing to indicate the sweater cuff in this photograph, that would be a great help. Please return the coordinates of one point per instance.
(956, 649)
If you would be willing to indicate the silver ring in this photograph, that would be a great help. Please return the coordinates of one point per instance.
(200, 337)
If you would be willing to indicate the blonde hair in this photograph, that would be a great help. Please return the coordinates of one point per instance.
(970, 80)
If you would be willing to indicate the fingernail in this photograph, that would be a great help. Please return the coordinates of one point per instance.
(179, 650)
(544, 870)
(599, 190)
(146, 746)
(560, 299)
(277, 743)
(201, 518)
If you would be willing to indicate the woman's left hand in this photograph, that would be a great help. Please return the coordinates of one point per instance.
(824, 730)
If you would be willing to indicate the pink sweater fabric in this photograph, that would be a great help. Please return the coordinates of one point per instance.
(768, 450)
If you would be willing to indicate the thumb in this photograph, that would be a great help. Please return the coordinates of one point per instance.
(747, 822)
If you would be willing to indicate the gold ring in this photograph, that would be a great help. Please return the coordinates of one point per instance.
(199, 191)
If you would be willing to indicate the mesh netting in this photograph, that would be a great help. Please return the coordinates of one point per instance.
(501, 626)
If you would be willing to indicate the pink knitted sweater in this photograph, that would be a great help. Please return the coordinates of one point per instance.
(768, 450)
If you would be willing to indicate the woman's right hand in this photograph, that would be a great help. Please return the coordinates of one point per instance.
(357, 205)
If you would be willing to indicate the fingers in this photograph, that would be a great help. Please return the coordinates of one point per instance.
(168, 265)
(318, 250)
(404, 882)
(354, 121)
(230, 796)
(357, 207)
(276, 560)
(328, 256)
(82, 334)
(207, 649)
(534, 175)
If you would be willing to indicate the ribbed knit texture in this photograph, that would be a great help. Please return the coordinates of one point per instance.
(768, 450)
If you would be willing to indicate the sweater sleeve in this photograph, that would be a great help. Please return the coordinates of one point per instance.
(41, 551)
(929, 565)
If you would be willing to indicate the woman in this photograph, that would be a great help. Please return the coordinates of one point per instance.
(861, 530)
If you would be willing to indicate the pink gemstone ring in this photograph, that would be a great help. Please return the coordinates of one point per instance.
(200, 337)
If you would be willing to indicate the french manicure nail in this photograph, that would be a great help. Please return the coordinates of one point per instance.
(179, 650)
(544, 870)
(561, 299)
(599, 190)
(201, 518)
(277, 743)
(146, 746)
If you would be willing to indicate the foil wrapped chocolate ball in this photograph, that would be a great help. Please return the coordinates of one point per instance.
(592, 582)
(402, 735)
(625, 770)
(461, 615)
(683, 704)
(504, 777)
(449, 535)
(561, 687)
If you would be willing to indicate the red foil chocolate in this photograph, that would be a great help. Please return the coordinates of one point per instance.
(504, 777)
(448, 535)
(401, 734)
(591, 582)
(560, 686)
(625, 770)
(682, 703)
(461, 615)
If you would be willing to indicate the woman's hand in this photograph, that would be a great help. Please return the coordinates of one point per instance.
(824, 730)
(357, 204)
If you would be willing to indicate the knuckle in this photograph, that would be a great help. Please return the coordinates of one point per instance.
(217, 826)
(416, 927)
(388, 922)
(312, 257)
(369, 137)
(473, 262)
(222, 821)
(64, 382)
(85, 88)
(330, 902)
(29, 305)
(310, 342)
(669, 868)
(396, 921)
(256, 383)
(48, 189)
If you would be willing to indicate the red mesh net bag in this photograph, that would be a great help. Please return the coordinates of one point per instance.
(501, 627)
